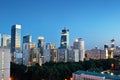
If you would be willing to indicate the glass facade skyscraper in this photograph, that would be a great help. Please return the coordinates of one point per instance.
(27, 39)
(41, 44)
(64, 43)
(15, 38)
(41, 47)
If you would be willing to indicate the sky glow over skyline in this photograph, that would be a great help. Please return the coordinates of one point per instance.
(96, 21)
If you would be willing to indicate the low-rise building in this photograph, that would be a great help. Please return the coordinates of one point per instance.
(85, 75)
(95, 54)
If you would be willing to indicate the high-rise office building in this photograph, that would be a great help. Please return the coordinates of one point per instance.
(4, 64)
(27, 39)
(48, 52)
(76, 55)
(28, 51)
(112, 43)
(41, 47)
(112, 48)
(79, 44)
(15, 38)
(6, 41)
(106, 50)
(0, 40)
(54, 55)
(62, 55)
(64, 43)
(41, 44)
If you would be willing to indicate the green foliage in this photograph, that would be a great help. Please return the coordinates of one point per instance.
(58, 71)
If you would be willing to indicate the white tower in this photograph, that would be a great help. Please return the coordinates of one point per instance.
(41, 44)
(4, 64)
(106, 50)
(79, 44)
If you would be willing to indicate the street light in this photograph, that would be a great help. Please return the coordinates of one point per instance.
(71, 78)
(10, 78)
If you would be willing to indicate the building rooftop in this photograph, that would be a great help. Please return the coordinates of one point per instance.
(107, 76)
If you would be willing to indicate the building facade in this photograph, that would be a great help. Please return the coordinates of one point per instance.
(78, 47)
(18, 58)
(28, 53)
(62, 55)
(64, 43)
(49, 52)
(41, 45)
(54, 55)
(95, 53)
(106, 50)
(76, 53)
(15, 38)
(6, 41)
(4, 64)
(85, 75)
(27, 39)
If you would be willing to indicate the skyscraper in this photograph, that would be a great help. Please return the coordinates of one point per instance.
(112, 48)
(6, 41)
(112, 43)
(41, 44)
(41, 47)
(15, 38)
(28, 51)
(79, 44)
(0, 40)
(64, 43)
(27, 39)
(48, 52)
(106, 50)
(4, 64)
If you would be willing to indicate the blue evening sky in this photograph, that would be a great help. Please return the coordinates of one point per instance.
(96, 21)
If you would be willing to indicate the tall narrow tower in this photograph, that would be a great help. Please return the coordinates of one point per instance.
(79, 44)
(4, 64)
(15, 38)
(64, 43)
(112, 48)
(106, 50)
(0, 39)
(41, 48)
(41, 44)
(112, 43)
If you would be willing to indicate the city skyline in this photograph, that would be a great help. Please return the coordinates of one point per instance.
(96, 21)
